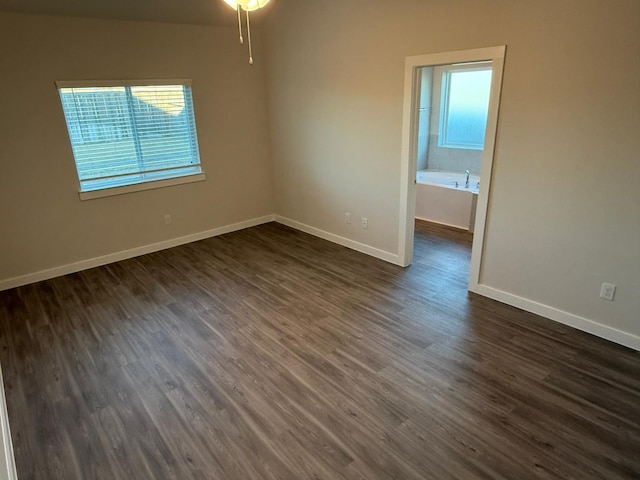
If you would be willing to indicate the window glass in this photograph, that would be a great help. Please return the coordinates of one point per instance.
(465, 105)
(125, 135)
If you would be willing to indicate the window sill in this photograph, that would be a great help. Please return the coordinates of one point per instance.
(138, 187)
(462, 147)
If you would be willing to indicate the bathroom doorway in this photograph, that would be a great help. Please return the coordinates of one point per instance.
(453, 106)
(450, 122)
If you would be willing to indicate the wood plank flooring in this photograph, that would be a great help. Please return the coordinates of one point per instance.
(271, 354)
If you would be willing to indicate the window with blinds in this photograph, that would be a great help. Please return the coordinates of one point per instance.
(130, 134)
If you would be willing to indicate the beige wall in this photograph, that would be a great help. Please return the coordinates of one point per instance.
(564, 211)
(44, 224)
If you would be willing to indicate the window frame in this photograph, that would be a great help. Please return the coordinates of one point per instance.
(443, 104)
(147, 184)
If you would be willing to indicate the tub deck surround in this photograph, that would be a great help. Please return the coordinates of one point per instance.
(455, 180)
(442, 197)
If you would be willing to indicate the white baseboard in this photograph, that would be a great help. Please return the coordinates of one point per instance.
(566, 318)
(581, 323)
(345, 242)
(7, 460)
(457, 227)
(126, 254)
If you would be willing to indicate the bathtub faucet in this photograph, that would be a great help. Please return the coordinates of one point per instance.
(466, 184)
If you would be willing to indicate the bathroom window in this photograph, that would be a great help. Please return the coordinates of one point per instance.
(464, 107)
(127, 134)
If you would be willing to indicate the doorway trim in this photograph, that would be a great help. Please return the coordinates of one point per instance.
(409, 142)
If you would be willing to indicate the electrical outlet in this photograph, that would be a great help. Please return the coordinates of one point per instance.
(347, 217)
(365, 222)
(608, 291)
(167, 219)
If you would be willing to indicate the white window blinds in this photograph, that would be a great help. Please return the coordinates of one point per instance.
(124, 135)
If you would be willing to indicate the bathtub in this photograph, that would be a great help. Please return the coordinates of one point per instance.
(441, 197)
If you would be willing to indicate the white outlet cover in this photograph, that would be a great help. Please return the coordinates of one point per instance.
(608, 291)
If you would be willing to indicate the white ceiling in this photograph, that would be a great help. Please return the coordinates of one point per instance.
(202, 12)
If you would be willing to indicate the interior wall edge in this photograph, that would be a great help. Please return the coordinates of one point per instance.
(26, 279)
(580, 323)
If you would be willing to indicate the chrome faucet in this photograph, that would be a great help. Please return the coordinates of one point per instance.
(466, 184)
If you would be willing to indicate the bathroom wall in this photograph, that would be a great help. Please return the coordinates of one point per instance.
(424, 116)
(453, 159)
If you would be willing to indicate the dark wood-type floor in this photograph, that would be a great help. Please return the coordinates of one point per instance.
(271, 354)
